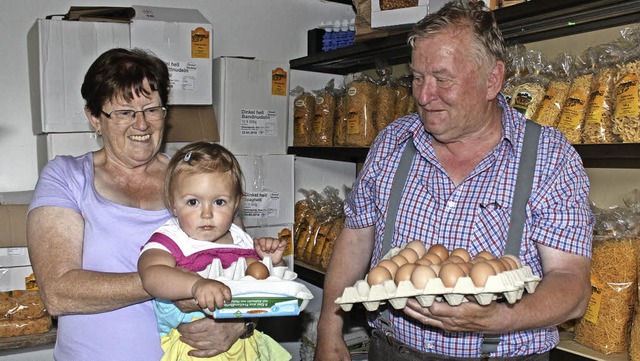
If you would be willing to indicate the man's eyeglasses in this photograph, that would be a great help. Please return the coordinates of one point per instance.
(128, 116)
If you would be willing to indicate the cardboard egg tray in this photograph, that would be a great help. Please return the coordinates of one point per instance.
(509, 285)
(277, 295)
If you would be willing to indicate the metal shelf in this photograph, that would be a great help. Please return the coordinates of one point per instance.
(526, 22)
(620, 155)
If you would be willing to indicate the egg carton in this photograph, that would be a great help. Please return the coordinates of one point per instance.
(509, 285)
(237, 271)
(277, 295)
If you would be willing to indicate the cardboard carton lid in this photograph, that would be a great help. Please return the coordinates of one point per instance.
(191, 123)
(13, 225)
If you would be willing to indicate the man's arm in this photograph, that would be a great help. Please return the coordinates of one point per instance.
(349, 261)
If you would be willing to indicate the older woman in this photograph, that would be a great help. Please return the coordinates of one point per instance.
(91, 214)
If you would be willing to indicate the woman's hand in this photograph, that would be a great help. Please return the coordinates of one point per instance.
(210, 337)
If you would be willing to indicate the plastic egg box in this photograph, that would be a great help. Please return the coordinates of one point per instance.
(277, 295)
(236, 271)
(509, 285)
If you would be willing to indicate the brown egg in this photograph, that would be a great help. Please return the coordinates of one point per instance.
(377, 275)
(417, 246)
(440, 250)
(404, 272)
(485, 255)
(421, 276)
(436, 268)
(466, 267)
(449, 274)
(510, 261)
(257, 270)
(454, 259)
(462, 253)
(497, 265)
(410, 254)
(506, 264)
(434, 258)
(480, 272)
(424, 262)
(390, 265)
(515, 259)
(399, 260)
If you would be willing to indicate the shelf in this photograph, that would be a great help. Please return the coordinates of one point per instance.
(569, 345)
(526, 22)
(621, 155)
(344, 154)
(309, 273)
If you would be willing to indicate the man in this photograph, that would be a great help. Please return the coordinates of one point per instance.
(459, 193)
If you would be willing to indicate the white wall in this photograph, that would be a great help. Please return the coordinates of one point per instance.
(265, 29)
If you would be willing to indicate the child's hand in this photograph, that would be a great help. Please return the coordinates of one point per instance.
(270, 247)
(210, 294)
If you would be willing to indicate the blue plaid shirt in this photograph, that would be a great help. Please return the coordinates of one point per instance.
(474, 215)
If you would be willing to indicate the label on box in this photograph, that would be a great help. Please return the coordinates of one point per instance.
(200, 40)
(279, 82)
(260, 306)
(183, 74)
(261, 205)
(258, 122)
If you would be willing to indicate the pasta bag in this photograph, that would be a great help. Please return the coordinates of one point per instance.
(322, 125)
(515, 71)
(528, 95)
(361, 95)
(340, 119)
(626, 116)
(605, 327)
(303, 112)
(556, 94)
(575, 106)
(404, 98)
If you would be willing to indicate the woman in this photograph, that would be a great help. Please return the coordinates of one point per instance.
(91, 214)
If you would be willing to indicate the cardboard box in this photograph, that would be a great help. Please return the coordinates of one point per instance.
(250, 98)
(183, 38)
(404, 17)
(15, 278)
(15, 266)
(61, 51)
(183, 124)
(13, 225)
(269, 188)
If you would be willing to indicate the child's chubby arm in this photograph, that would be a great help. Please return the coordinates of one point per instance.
(270, 247)
(160, 278)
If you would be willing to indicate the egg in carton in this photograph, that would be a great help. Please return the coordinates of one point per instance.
(276, 295)
(509, 285)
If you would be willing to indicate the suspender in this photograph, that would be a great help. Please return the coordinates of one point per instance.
(522, 191)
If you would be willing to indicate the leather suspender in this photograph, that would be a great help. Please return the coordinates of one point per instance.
(522, 192)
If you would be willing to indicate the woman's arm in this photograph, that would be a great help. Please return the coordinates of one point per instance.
(55, 241)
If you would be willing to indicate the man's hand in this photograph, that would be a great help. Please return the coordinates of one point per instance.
(466, 317)
(331, 348)
(210, 337)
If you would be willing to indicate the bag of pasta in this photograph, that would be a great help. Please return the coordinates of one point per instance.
(340, 119)
(575, 106)
(385, 98)
(598, 122)
(404, 98)
(515, 71)
(605, 326)
(528, 94)
(632, 200)
(556, 94)
(626, 118)
(325, 230)
(322, 125)
(303, 113)
(305, 214)
(361, 96)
